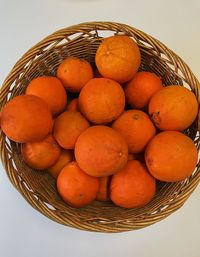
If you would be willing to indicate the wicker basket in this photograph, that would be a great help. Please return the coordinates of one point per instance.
(38, 188)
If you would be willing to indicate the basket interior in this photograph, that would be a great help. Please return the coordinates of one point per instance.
(41, 187)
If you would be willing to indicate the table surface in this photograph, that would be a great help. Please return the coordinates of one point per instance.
(24, 231)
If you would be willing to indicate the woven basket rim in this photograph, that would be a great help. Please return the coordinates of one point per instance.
(86, 27)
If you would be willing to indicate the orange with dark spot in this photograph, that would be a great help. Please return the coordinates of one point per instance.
(76, 187)
(173, 108)
(136, 128)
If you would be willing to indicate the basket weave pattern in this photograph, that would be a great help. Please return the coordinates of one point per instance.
(39, 188)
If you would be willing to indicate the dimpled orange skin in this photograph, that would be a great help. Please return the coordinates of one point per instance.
(74, 73)
(26, 118)
(173, 108)
(171, 156)
(101, 151)
(101, 100)
(41, 155)
(65, 157)
(141, 88)
(76, 187)
(50, 90)
(118, 58)
(132, 186)
(67, 128)
(73, 105)
(136, 128)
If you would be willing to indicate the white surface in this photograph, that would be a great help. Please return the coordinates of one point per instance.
(25, 232)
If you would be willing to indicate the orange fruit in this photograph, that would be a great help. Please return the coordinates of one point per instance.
(101, 151)
(67, 128)
(103, 192)
(51, 90)
(73, 105)
(171, 156)
(141, 88)
(132, 186)
(173, 108)
(136, 128)
(118, 58)
(101, 100)
(76, 187)
(41, 155)
(65, 157)
(74, 73)
(26, 118)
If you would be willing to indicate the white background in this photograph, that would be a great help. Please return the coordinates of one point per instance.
(25, 232)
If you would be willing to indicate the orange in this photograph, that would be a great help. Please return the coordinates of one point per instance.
(51, 90)
(103, 192)
(141, 88)
(171, 156)
(26, 118)
(118, 58)
(76, 187)
(136, 128)
(74, 73)
(41, 155)
(73, 105)
(101, 151)
(173, 108)
(132, 186)
(101, 100)
(65, 157)
(67, 128)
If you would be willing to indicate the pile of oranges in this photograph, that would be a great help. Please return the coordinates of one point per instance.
(121, 133)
